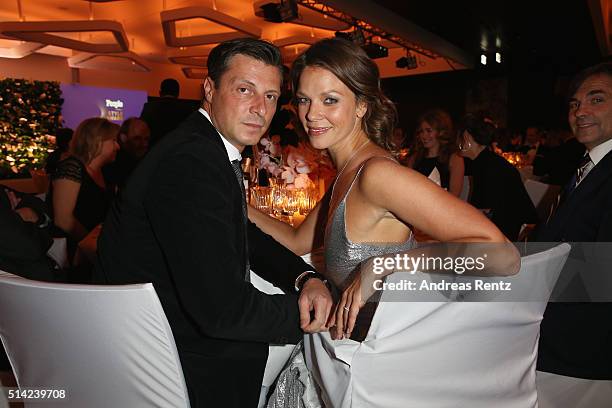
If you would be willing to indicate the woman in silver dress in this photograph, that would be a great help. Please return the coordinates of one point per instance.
(374, 200)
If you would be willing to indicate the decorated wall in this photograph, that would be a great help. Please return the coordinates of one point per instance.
(30, 113)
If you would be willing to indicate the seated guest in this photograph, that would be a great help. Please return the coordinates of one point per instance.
(435, 148)
(576, 337)
(62, 143)
(79, 195)
(25, 236)
(134, 143)
(497, 185)
(515, 143)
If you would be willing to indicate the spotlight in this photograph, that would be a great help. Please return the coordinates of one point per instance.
(498, 57)
(375, 50)
(355, 36)
(286, 10)
(483, 59)
(408, 62)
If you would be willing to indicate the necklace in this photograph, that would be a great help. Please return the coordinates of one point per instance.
(345, 165)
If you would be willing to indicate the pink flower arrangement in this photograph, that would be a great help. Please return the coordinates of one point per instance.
(302, 165)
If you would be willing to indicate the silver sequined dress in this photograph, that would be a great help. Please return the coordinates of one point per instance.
(296, 385)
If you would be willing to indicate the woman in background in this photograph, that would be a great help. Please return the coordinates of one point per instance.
(497, 186)
(79, 195)
(435, 148)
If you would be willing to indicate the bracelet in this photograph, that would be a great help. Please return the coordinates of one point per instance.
(306, 276)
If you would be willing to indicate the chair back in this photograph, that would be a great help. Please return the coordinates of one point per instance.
(445, 350)
(542, 196)
(106, 346)
(465, 190)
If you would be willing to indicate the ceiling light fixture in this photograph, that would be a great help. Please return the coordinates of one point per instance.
(286, 10)
(170, 17)
(408, 62)
(38, 31)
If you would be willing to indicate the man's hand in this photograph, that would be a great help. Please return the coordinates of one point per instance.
(314, 296)
(13, 199)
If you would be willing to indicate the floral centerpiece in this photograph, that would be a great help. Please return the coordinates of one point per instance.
(299, 166)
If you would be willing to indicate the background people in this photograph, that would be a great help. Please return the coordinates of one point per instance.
(164, 114)
(133, 141)
(497, 187)
(79, 195)
(435, 147)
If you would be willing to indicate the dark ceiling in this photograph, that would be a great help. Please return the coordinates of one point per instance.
(538, 34)
(543, 43)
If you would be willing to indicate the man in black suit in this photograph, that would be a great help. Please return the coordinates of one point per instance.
(181, 224)
(165, 113)
(576, 338)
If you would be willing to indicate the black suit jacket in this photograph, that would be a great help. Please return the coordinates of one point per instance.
(163, 115)
(178, 223)
(576, 338)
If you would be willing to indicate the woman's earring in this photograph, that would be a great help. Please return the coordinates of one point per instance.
(464, 146)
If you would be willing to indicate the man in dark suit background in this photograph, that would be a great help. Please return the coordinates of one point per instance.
(576, 338)
(163, 115)
(181, 224)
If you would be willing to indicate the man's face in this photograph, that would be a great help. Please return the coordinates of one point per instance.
(137, 142)
(242, 105)
(590, 111)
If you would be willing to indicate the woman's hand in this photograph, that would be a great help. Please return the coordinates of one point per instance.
(347, 309)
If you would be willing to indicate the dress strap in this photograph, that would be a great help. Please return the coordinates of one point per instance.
(361, 166)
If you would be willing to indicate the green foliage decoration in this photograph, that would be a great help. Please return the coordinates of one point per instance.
(30, 114)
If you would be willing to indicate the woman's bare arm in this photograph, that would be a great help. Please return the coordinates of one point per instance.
(456, 169)
(65, 193)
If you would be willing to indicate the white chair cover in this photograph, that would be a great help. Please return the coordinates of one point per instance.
(59, 252)
(465, 190)
(542, 196)
(440, 353)
(107, 346)
(435, 176)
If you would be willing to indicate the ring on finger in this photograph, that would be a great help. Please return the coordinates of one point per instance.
(346, 308)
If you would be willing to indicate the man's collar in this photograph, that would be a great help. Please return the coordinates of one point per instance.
(232, 151)
(598, 152)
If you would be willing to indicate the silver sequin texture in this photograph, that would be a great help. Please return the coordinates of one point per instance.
(342, 256)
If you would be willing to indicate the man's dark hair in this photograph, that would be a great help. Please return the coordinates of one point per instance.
(482, 130)
(127, 125)
(605, 68)
(219, 57)
(169, 87)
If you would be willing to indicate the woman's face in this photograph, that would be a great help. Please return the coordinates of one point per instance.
(428, 136)
(328, 109)
(109, 150)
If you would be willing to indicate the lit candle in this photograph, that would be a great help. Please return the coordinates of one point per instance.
(297, 219)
